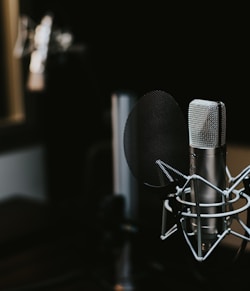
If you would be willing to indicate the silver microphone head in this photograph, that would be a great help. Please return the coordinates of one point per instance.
(207, 123)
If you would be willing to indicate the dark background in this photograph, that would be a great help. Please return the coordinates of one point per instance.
(139, 48)
(189, 52)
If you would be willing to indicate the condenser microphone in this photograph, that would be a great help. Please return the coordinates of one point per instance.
(207, 143)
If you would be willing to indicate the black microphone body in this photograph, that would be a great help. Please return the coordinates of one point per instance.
(207, 132)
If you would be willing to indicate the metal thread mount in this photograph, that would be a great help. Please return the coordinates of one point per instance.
(191, 210)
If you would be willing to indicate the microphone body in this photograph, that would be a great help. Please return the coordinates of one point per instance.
(207, 132)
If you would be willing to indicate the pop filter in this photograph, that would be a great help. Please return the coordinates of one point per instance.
(155, 129)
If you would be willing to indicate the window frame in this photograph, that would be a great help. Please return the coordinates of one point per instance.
(12, 66)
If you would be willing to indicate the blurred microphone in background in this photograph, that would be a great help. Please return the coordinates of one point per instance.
(125, 185)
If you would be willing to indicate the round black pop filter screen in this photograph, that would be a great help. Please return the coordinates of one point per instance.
(156, 129)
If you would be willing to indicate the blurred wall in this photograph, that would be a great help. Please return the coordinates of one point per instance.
(23, 174)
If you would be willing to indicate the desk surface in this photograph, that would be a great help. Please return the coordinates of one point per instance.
(45, 247)
(41, 249)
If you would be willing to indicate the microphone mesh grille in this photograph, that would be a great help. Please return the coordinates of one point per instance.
(207, 123)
